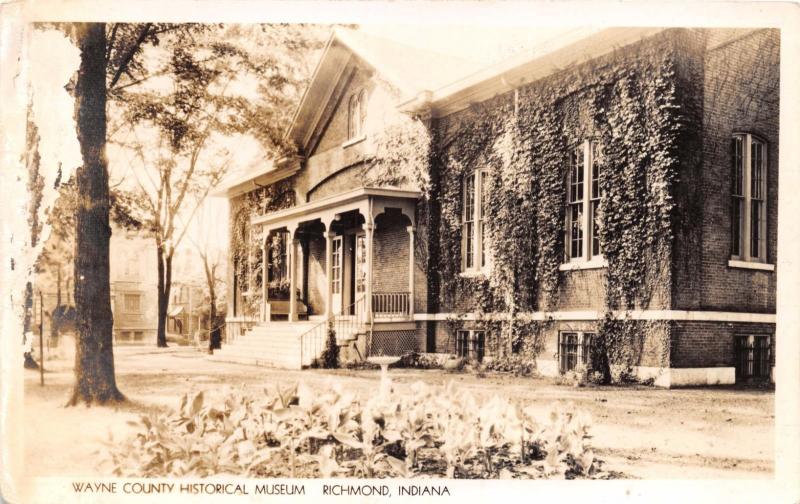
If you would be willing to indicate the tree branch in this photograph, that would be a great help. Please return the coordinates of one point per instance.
(129, 56)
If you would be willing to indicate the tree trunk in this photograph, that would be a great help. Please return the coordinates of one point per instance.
(94, 358)
(58, 285)
(164, 287)
(213, 333)
(55, 321)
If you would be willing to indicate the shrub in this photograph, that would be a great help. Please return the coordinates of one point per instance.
(330, 356)
(515, 364)
(433, 431)
(419, 360)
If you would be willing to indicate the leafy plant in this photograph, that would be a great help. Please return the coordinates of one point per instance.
(518, 365)
(298, 432)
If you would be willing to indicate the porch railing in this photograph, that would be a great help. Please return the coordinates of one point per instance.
(235, 327)
(313, 341)
(391, 304)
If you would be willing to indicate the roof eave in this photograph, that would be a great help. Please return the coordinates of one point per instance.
(285, 168)
(521, 70)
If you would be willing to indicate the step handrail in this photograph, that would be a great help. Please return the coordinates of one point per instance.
(313, 340)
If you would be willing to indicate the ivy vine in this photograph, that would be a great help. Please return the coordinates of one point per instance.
(628, 104)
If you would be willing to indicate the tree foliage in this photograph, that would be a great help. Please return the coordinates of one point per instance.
(210, 87)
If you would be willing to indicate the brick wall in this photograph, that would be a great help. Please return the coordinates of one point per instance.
(391, 255)
(336, 130)
(341, 181)
(581, 290)
(740, 94)
(709, 344)
(651, 348)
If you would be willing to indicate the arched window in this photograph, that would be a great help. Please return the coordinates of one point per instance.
(356, 114)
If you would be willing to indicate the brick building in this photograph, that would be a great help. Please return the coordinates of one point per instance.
(617, 185)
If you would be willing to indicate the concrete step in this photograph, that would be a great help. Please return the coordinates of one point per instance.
(273, 344)
(255, 361)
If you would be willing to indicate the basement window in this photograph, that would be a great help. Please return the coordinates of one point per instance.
(753, 354)
(574, 348)
(470, 345)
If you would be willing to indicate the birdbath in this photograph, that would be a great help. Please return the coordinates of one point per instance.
(383, 362)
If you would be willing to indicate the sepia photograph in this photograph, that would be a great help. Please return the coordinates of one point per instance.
(365, 258)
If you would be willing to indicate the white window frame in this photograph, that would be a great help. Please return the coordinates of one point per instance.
(586, 259)
(477, 260)
(745, 258)
(336, 265)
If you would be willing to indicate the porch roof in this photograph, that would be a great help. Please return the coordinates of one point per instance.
(362, 199)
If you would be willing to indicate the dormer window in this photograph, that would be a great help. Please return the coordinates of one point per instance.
(356, 113)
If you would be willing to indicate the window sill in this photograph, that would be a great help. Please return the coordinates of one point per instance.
(474, 274)
(583, 265)
(354, 141)
(734, 263)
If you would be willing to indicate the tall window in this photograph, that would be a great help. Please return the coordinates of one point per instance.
(336, 265)
(132, 303)
(278, 257)
(748, 198)
(473, 250)
(582, 237)
(356, 113)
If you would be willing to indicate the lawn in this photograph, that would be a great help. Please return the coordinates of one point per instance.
(640, 431)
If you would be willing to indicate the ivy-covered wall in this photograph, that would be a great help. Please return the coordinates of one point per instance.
(243, 241)
(630, 104)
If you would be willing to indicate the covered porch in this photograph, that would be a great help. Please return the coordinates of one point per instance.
(348, 256)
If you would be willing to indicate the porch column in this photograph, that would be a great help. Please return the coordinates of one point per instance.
(264, 269)
(292, 278)
(368, 227)
(301, 264)
(292, 273)
(410, 230)
(328, 273)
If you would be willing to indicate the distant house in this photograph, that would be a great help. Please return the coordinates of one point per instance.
(616, 190)
(133, 287)
(186, 303)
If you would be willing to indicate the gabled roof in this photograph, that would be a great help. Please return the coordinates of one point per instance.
(408, 69)
(430, 81)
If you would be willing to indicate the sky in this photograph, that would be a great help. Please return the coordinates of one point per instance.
(484, 45)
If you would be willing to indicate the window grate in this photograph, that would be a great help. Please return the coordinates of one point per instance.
(574, 348)
(470, 345)
(753, 354)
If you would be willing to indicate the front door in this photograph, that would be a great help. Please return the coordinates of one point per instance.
(336, 275)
